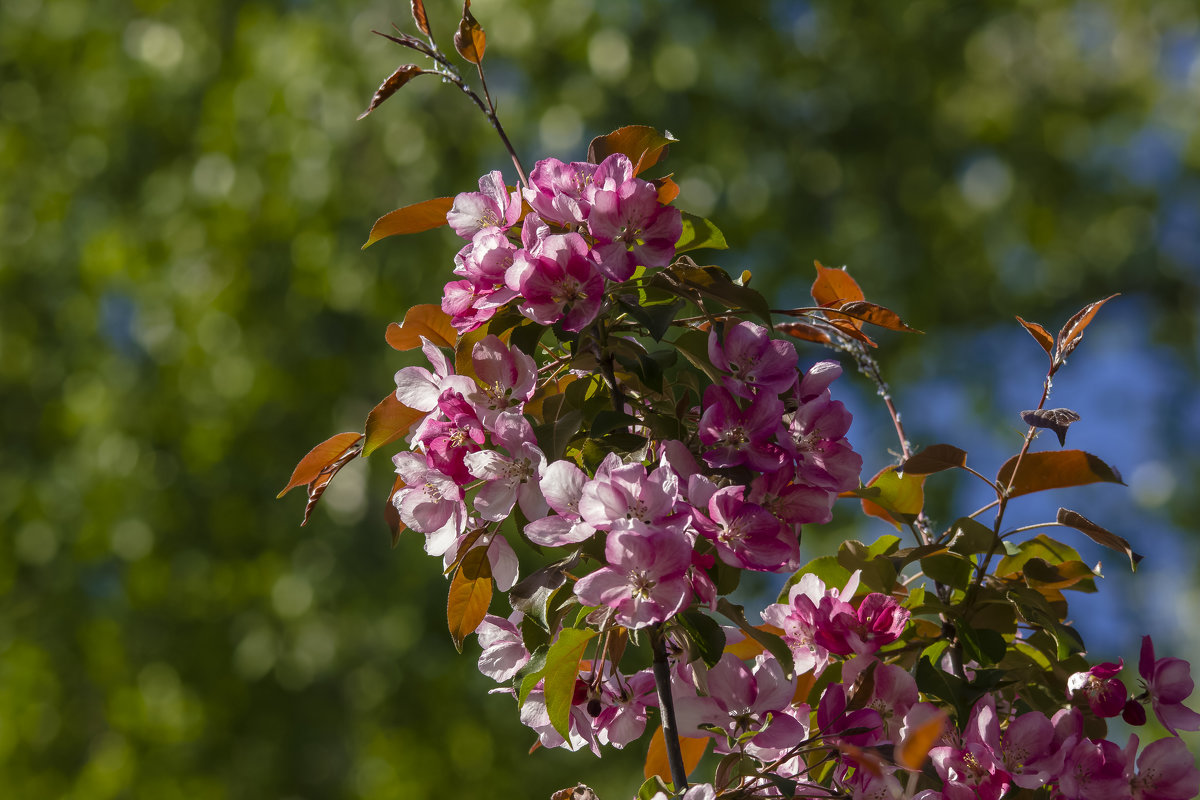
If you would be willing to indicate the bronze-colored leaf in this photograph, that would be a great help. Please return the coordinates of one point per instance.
(834, 286)
(320, 458)
(643, 145)
(1040, 335)
(668, 189)
(935, 458)
(470, 595)
(1055, 470)
(418, 217)
(802, 330)
(1101, 536)
(387, 422)
(874, 314)
(851, 329)
(469, 39)
(1055, 419)
(389, 87)
(426, 319)
(419, 17)
(1071, 333)
(692, 749)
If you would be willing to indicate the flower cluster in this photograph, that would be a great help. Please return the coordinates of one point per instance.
(590, 225)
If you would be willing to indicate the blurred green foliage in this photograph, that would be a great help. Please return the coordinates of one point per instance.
(184, 311)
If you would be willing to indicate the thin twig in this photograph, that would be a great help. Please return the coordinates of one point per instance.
(666, 704)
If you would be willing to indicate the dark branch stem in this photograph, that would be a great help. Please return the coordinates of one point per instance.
(666, 704)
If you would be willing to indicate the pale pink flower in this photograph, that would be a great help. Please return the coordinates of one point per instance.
(504, 650)
(493, 206)
(562, 485)
(646, 577)
(431, 502)
(558, 191)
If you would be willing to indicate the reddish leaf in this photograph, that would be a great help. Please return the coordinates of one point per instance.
(935, 458)
(1079, 522)
(426, 320)
(668, 189)
(391, 514)
(1040, 335)
(419, 17)
(418, 217)
(1071, 333)
(874, 314)
(916, 744)
(834, 286)
(387, 422)
(321, 458)
(1055, 470)
(469, 39)
(656, 757)
(644, 146)
(389, 87)
(802, 330)
(470, 595)
(1055, 419)
(850, 328)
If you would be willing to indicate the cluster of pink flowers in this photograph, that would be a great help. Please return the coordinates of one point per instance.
(590, 224)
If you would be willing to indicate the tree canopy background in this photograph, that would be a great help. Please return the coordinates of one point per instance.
(185, 310)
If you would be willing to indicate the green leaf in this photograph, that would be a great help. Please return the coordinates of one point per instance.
(969, 536)
(653, 787)
(932, 680)
(694, 346)
(697, 233)
(893, 497)
(532, 595)
(656, 318)
(878, 571)
(1041, 546)
(985, 646)
(705, 633)
(562, 669)
(950, 569)
(553, 437)
(715, 284)
(528, 676)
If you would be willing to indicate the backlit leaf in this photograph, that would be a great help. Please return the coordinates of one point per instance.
(562, 669)
(697, 233)
(1054, 470)
(834, 286)
(827, 568)
(389, 87)
(1039, 334)
(1072, 332)
(692, 749)
(426, 320)
(469, 39)
(668, 190)
(1098, 535)
(915, 746)
(896, 498)
(387, 422)
(419, 16)
(935, 458)
(423, 216)
(321, 458)
(470, 595)
(851, 329)
(802, 330)
(874, 314)
(643, 145)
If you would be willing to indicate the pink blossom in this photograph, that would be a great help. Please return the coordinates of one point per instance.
(629, 224)
(746, 535)
(810, 606)
(501, 557)
(560, 282)
(734, 435)
(420, 389)
(755, 362)
(1165, 771)
(1096, 771)
(579, 725)
(1168, 682)
(558, 191)
(972, 760)
(816, 435)
(493, 206)
(625, 496)
(1028, 751)
(624, 700)
(509, 479)
(562, 485)
(506, 379)
(470, 305)
(791, 502)
(893, 692)
(1099, 686)
(504, 650)
(860, 727)
(431, 502)
(645, 579)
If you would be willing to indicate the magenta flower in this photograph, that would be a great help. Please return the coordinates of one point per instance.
(893, 692)
(746, 535)
(973, 760)
(629, 224)
(1096, 770)
(861, 727)
(1165, 771)
(559, 282)
(816, 435)
(735, 436)
(755, 362)
(646, 577)
(557, 190)
(1168, 682)
(492, 207)
(1104, 692)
